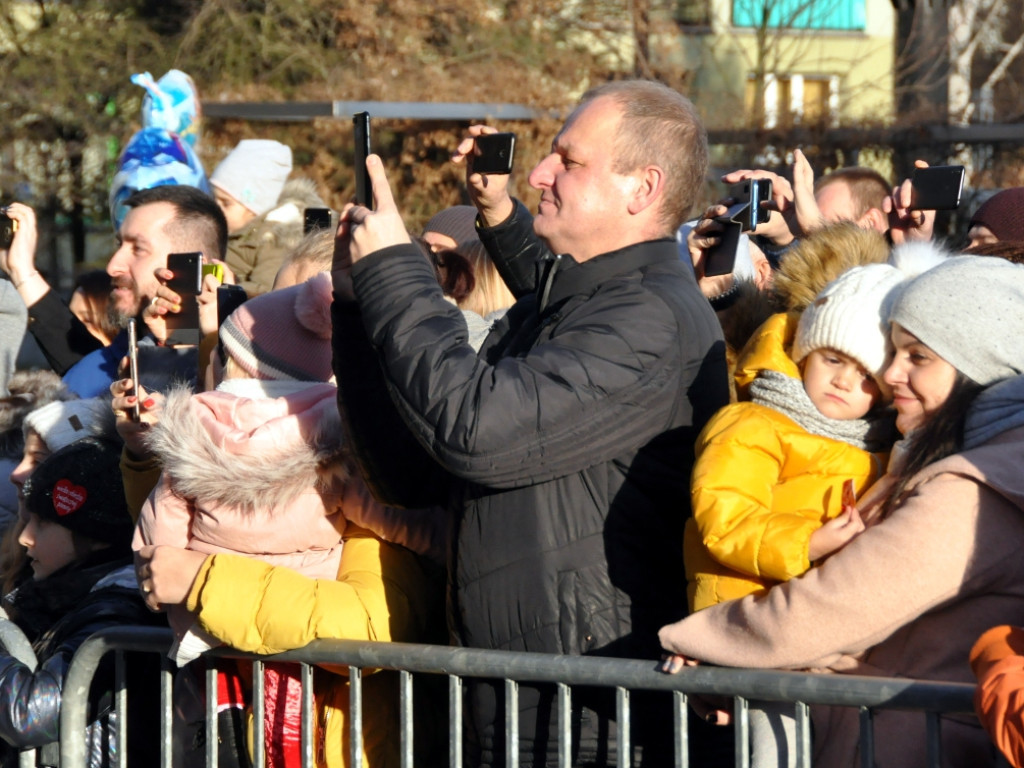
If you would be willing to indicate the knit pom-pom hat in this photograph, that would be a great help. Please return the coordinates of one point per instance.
(284, 335)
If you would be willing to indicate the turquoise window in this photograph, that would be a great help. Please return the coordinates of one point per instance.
(800, 14)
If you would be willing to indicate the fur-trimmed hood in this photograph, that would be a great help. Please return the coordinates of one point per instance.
(251, 453)
(282, 224)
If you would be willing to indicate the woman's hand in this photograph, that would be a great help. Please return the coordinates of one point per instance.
(166, 574)
(671, 663)
(122, 403)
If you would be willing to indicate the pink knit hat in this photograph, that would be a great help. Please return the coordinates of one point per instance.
(284, 335)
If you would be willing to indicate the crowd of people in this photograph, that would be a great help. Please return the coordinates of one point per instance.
(542, 431)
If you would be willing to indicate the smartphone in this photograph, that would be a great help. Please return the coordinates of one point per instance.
(314, 219)
(133, 368)
(721, 259)
(849, 494)
(187, 282)
(217, 270)
(494, 153)
(8, 227)
(936, 188)
(229, 298)
(361, 130)
(748, 196)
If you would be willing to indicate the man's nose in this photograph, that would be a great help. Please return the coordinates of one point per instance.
(542, 174)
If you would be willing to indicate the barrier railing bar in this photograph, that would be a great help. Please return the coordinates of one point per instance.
(564, 726)
(121, 709)
(355, 712)
(625, 747)
(259, 704)
(511, 723)
(454, 721)
(867, 738)
(210, 676)
(406, 715)
(741, 716)
(167, 711)
(803, 735)
(681, 728)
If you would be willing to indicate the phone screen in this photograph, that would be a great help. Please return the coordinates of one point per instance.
(721, 259)
(361, 130)
(936, 188)
(494, 153)
(133, 368)
(183, 326)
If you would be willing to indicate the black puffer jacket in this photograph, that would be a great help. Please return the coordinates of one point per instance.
(565, 448)
(95, 596)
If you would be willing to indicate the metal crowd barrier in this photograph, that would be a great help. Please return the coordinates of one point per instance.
(865, 693)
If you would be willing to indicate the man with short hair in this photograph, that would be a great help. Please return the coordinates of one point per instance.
(853, 194)
(161, 220)
(563, 450)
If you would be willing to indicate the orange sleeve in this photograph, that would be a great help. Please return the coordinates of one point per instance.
(998, 661)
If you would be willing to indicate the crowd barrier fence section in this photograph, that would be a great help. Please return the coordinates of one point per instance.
(868, 694)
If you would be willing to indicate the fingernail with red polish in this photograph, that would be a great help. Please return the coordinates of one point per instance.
(149, 402)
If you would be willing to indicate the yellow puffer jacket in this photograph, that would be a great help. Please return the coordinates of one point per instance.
(382, 593)
(762, 484)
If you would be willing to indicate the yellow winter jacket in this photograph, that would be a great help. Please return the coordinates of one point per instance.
(382, 593)
(761, 484)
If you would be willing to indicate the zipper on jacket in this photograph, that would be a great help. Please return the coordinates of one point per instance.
(548, 265)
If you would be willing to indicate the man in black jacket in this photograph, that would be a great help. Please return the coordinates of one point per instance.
(564, 448)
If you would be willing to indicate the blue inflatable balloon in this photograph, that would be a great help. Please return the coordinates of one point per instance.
(153, 157)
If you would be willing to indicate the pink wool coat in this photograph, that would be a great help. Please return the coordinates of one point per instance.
(907, 598)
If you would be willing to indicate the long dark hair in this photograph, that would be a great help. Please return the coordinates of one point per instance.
(940, 436)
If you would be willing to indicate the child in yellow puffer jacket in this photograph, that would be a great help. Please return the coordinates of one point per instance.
(768, 481)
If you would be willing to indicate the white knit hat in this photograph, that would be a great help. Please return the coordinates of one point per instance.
(66, 421)
(254, 173)
(851, 316)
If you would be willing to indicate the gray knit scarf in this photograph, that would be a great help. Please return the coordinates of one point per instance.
(875, 432)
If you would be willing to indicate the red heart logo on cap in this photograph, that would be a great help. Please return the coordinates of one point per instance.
(67, 497)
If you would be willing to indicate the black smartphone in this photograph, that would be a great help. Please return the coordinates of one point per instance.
(361, 130)
(936, 188)
(187, 282)
(747, 196)
(721, 259)
(8, 227)
(494, 153)
(229, 298)
(133, 368)
(314, 219)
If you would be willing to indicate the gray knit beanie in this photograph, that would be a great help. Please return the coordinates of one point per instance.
(970, 311)
(254, 173)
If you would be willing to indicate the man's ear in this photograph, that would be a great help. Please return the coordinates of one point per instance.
(650, 186)
(874, 219)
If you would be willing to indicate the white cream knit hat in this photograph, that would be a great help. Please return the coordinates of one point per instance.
(254, 173)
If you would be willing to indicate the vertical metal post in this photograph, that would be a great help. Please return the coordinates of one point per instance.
(259, 710)
(933, 736)
(564, 726)
(121, 709)
(406, 704)
(455, 721)
(867, 738)
(625, 747)
(308, 730)
(166, 712)
(511, 723)
(741, 714)
(803, 735)
(211, 713)
(355, 716)
(681, 728)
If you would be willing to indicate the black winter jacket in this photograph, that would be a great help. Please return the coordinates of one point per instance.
(564, 449)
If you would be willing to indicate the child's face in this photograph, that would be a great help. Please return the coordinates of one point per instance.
(236, 213)
(50, 546)
(838, 385)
